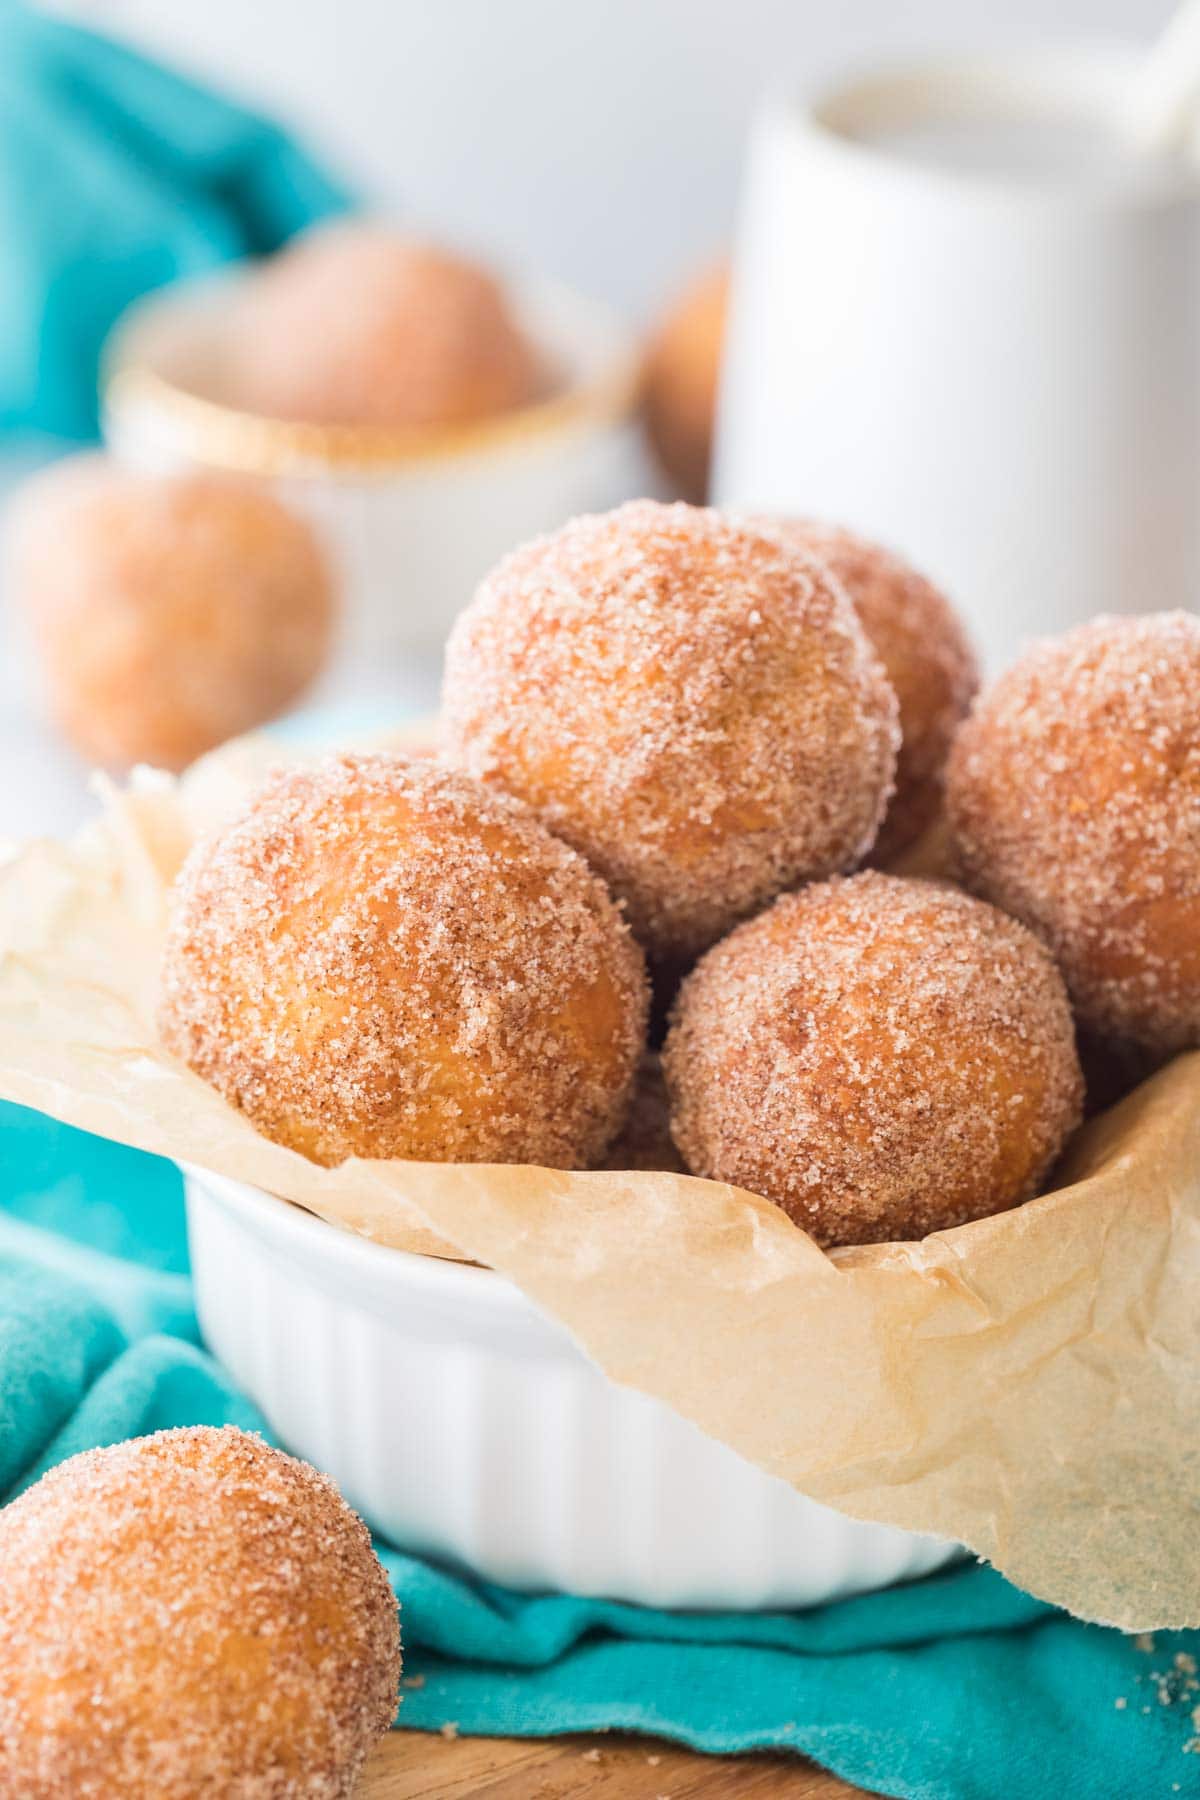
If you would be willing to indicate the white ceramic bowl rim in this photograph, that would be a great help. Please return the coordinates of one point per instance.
(1082, 81)
(438, 1291)
(357, 1259)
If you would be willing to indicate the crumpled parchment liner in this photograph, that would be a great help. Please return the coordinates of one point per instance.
(1028, 1384)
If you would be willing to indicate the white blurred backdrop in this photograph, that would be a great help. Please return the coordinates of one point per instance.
(598, 140)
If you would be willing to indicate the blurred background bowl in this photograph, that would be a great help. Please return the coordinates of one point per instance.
(413, 518)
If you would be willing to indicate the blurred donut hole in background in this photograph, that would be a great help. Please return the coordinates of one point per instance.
(682, 374)
(170, 613)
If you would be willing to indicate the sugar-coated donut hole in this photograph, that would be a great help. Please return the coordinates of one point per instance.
(925, 650)
(1074, 799)
(190, 1613)
(686, 700)
(358, 324)
(882, 1057)
(381, 957)
(171, 612)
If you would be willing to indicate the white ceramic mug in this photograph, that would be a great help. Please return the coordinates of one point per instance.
(998, 375)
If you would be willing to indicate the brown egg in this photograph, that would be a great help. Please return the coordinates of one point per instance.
(882, 1057)
(190, 1614)
(923, 646)
(383, 958)
(686, 701)
(358, 324)
(171, 613)
(1074, 799)
(682, 370)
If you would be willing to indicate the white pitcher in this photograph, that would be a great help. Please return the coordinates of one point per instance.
(995, 370)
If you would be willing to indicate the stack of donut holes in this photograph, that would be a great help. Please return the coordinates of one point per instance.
(678, 747)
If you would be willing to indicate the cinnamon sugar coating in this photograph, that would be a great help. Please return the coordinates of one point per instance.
(1074, 800)
(382, 958)
(686, 700)
(189, 1614)
(172, 612)
(923, 646)
(359, 324)
(882, 1057)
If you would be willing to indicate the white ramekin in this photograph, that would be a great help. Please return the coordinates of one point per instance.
(414, 520)
(465, 1425)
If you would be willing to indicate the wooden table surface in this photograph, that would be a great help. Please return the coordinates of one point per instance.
(413, 1766)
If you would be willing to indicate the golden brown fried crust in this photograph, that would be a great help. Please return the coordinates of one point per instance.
(686, 700)
(383, 958)
(882, 1057)
(1074, 799)
(187, 1614)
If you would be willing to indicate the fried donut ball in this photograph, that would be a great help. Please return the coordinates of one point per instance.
(882, 1057)
(171, 612)
(357, 324)
(679, 383)
(190, 1613)
(381, 958)
(1074, 799)
(923, 645)
(686, 700)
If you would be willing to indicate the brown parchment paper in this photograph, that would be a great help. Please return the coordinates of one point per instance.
(1028, 1384)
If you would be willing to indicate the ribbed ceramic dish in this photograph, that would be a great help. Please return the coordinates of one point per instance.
(414, 519)
(464, 1424)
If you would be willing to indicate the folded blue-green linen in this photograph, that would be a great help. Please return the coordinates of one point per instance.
(116, 176)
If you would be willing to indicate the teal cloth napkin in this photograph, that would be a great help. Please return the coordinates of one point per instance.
(115, 177)
(958, 1687)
